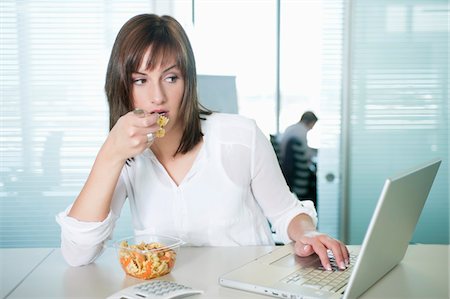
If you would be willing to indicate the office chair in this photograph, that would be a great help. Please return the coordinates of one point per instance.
(295, 167)
(297, 171)
(276, 147)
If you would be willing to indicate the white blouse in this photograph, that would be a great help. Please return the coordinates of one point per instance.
(233, 189)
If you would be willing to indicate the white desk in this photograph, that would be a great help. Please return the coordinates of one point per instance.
(16, 264)
(424, 273)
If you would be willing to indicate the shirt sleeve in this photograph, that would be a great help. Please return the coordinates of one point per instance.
(82, 242)
(271, 190)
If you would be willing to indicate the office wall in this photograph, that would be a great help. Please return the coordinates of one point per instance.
(398, 107)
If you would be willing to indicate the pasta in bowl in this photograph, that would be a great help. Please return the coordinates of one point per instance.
(147, 256)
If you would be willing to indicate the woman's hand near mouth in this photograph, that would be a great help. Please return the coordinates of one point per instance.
(128, 137)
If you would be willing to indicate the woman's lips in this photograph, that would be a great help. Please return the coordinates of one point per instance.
(160, 112)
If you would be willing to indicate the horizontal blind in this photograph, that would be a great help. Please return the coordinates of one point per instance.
(329, 181)
(399, 106)
(54, 114)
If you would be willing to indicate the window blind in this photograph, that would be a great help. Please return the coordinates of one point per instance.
(54, 114)
(398, 106)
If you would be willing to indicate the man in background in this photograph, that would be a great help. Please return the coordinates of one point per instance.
(297, 158)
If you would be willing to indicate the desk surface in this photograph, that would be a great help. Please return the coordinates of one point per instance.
(424, 273)
(23, 261)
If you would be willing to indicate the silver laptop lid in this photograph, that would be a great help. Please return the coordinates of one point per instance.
(392, 226)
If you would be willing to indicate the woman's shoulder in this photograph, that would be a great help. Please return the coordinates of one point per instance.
(228, 120)
(230, 128)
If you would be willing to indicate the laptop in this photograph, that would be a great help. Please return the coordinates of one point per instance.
(280, 273)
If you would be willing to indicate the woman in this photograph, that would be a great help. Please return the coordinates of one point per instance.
(213, 179)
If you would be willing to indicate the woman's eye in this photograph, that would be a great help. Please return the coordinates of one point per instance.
(171, 79)
(139, 81)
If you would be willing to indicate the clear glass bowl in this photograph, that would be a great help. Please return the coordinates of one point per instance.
(147, 256)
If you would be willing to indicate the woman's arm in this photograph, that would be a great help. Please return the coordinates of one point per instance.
(90, 220)
(293, 219)
(82, 242)
(126, 139)
(94, 201)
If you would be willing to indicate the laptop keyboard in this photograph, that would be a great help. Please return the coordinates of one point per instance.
(319, 278)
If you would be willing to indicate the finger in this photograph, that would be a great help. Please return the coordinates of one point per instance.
(150, 139)
(340, 252)
(335, 247)
(139, 112)
(136, 133)
(143, 120)
(321, 251)
(346, 254)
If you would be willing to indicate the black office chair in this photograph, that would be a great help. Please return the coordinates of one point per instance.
(276, 147)
(297, 171)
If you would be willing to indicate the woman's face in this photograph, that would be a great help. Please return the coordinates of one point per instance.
(159, 90)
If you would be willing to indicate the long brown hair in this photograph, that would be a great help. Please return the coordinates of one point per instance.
(167, 39)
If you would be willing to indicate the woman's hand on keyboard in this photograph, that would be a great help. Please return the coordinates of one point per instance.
(319, 243)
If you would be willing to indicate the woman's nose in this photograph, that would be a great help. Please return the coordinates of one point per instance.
(157, 94)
